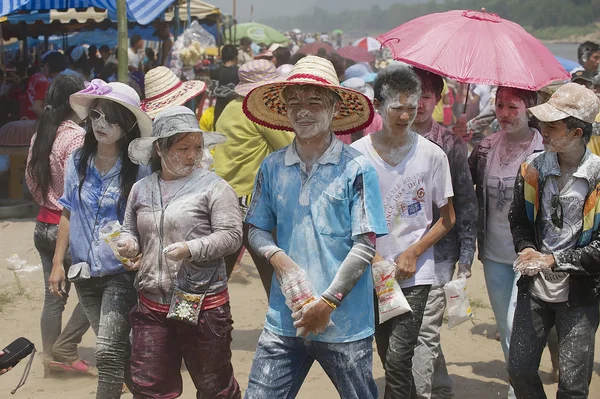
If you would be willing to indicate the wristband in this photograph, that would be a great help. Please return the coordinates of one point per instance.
(332, 305)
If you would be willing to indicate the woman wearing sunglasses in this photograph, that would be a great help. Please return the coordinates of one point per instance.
(494, 166)
(98, 179)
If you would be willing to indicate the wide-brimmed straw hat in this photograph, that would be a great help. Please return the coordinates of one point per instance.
(172, 121)
(82, 101)
(255, 73)
(266, 106)
(163, 89)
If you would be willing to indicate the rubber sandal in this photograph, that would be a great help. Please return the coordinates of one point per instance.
(80, 367)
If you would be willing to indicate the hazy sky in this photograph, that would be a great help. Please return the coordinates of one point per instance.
(274, 8)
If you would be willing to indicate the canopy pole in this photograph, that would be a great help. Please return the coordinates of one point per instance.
(122, 41)
(2, 48)
(466, 98)
(189, 13)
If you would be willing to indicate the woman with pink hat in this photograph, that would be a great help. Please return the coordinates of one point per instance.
(98, 179)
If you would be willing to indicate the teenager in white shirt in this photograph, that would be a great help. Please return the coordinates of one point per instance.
(414, 176)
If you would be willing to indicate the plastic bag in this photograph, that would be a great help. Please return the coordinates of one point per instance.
(299, 292)
(189, 48)
(457, 302)
(15, 262)
(111, 233)
(390, 298)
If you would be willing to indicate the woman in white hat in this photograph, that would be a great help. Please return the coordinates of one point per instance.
(98, 179)
(182, 220)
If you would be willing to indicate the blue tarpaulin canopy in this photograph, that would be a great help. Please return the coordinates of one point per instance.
(140, 11)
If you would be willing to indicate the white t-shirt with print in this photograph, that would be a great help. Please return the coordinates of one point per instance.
(410, 190)
(548, 285)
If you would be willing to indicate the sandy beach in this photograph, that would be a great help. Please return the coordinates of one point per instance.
(474, 357)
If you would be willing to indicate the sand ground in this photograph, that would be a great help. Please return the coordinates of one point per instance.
(474, 357)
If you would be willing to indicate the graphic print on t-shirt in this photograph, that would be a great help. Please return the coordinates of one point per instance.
(405, 200)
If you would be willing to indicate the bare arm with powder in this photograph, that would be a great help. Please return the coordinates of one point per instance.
(57, 279)
(406, 263)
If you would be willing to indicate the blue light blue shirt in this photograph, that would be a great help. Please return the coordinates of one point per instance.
(317, 216)
(97, 207)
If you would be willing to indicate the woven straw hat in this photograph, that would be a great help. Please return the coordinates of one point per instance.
(82, 101)
(265, 105)
(163, 89)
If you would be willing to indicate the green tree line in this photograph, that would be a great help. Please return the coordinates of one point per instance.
(533, 15)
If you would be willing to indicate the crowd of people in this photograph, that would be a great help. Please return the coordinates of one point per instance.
(145, 210)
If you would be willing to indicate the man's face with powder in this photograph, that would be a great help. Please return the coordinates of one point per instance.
(310, 110)
(398, 109)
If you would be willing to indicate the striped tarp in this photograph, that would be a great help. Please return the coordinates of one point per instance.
(140, 11)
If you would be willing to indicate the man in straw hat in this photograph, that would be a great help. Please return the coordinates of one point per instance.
(237, 161)
(323, 198)
(553, 220)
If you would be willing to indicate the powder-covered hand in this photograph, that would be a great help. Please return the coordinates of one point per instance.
(464, 271)
(133, 264)
(177, 251)
(128, 247)
(530, 262)
(314, 318)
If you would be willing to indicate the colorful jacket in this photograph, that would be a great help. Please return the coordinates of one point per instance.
(582, 261)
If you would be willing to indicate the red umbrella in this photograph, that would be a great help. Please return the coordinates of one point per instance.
(368, 43)
(313, 48)
(356, 54)
(475, 47)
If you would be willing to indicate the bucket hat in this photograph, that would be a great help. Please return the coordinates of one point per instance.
(82, 101)
(266, 106)
(163, 89)
(255, 73)
(172, 121)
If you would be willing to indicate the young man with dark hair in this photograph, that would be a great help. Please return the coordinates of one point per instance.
(224, 79)
(53, 64)
(134, 59)
(588, 55)
(458, 246)
(553, 220)
(414, 179)
(245, 53)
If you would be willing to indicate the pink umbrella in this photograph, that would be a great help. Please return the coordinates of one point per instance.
(475, 47)
(356, 54)
(368, 43)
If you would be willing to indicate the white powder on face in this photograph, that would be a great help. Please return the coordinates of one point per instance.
(310, 110)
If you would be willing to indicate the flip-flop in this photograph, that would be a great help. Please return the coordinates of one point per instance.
(80, 367)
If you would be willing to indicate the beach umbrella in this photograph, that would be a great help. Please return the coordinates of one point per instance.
(313, 48)
(258, 33)
(567, 64)
(368, 43)
(475, 47)
(356, 54)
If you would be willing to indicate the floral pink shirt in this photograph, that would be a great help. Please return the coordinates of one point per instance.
(69, 137)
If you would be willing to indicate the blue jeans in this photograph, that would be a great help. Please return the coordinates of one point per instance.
(281, 364)
(501, 282)
(58, 343)
(107, 302)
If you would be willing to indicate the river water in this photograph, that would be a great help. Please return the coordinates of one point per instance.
(564, 50)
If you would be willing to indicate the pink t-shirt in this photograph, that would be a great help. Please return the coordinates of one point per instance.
(69, 137)
(375, 126)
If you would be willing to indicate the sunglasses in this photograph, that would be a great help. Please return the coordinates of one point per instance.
(557, 211)
(96, 116)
